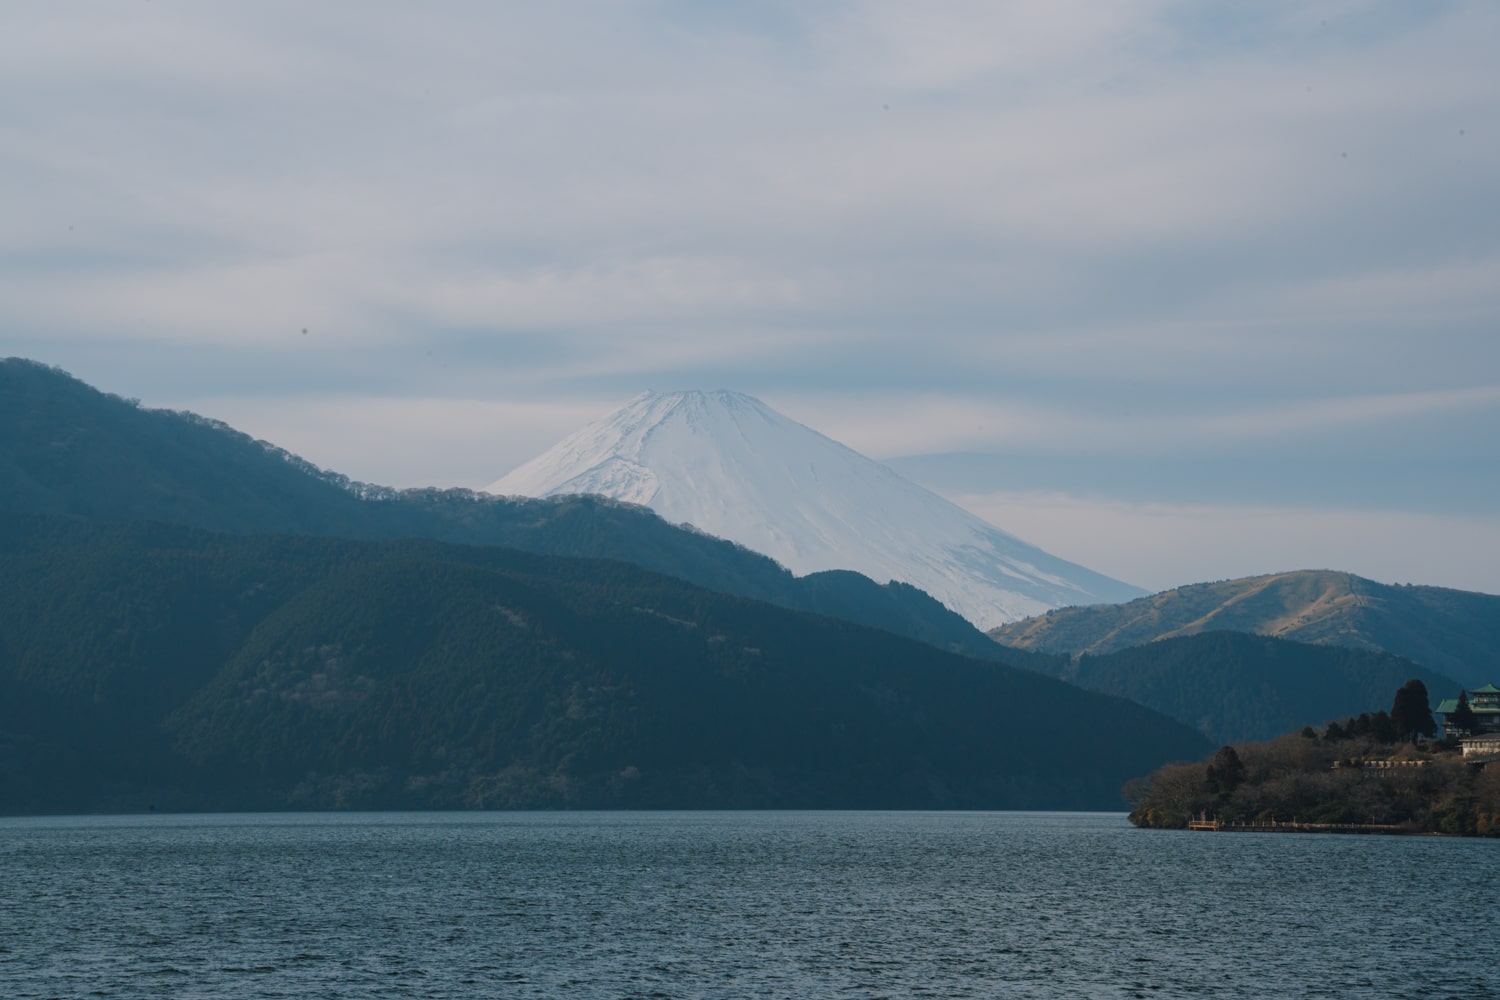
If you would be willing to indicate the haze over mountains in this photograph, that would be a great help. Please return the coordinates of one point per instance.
(731, 466)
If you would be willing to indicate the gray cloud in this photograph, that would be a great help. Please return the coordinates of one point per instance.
(1151, 228)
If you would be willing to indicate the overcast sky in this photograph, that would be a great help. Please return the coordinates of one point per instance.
(1177, 290)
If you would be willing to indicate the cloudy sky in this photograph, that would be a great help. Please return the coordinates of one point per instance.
(1178, 290)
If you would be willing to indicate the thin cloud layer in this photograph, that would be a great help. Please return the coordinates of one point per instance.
(1146, 228)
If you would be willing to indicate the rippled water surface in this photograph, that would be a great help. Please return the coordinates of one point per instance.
(734, 905)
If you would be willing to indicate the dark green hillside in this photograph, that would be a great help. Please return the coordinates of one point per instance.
(1453, 632)
(1232, 686)
(66, 448)
(151, 665)
(594, 527)
(105, 629)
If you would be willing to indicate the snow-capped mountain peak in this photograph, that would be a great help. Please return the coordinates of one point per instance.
(731, 466)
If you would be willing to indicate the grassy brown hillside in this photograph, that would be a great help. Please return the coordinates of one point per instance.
(1454, 632)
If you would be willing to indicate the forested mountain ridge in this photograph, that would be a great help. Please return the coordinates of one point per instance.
(1453, 632)
(67, 448)
(150, 665)
(1234, 686)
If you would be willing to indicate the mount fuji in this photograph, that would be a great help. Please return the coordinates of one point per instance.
(731, 466)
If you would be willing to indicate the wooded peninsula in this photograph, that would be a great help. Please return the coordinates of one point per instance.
(1372, 772)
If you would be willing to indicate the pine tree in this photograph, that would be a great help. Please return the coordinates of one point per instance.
(1226, 771)
(1410, 712)
(1463, 717)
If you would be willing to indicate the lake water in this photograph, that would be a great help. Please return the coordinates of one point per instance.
(734, 905)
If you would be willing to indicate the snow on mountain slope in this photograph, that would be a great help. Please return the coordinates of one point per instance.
(733, 467)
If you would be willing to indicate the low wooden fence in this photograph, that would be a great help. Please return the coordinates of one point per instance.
(1292, 826)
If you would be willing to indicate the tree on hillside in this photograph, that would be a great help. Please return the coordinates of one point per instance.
(1410, 713)
(1463, 717)
(1377, 726)
(1226, 771)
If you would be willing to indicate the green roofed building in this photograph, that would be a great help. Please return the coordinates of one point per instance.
(1483, 702)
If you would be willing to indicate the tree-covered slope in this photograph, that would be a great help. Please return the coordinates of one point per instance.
(154, 665)
(1233, 686)
(66, 448)
(1453, 632)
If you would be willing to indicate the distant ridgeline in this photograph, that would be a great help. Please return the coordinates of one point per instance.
(269, 641)
(1220, 656)
(1454, 633)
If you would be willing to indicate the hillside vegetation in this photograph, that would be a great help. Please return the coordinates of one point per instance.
(1452, 632)
(1332, 778)
(156, 666)
(1232, 686)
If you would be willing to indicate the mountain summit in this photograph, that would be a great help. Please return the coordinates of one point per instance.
(733, 467)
